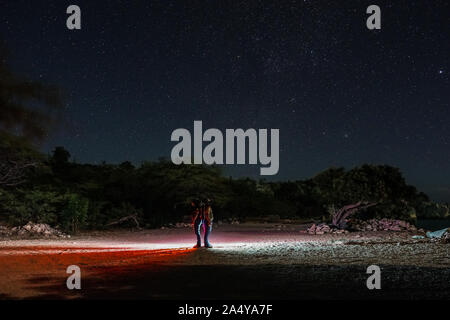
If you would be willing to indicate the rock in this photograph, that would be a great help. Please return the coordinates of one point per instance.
(34, 230)
(322, 229)
(361, 225)
(403, 224)
(381, 225)
(182, 225)
(446, 237)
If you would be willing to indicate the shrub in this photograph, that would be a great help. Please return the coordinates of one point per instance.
(75, 212)
(32, 205)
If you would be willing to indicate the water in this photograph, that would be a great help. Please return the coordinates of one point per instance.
(433, 224)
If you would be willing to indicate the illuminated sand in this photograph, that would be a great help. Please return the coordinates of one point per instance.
(247, 261)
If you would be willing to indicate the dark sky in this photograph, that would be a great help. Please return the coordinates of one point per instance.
(341, 94)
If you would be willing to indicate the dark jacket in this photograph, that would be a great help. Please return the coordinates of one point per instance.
(204, 213)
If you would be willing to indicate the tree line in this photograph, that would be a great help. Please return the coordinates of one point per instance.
(78, 196)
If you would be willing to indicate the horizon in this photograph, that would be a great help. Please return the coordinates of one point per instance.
(241, 171)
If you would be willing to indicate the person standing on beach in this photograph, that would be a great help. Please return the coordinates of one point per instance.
(202, 215)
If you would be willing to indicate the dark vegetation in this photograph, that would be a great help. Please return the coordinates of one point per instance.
(74, 196)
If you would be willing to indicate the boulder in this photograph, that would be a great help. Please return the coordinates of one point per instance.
(33, 230)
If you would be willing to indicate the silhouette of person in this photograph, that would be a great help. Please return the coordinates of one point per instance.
(202, 215)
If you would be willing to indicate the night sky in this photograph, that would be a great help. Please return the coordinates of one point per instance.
(341, 94)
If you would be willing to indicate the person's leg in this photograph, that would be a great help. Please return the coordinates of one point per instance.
(197, 226)
(208, 229)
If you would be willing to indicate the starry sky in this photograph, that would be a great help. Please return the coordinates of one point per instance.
(341, 94)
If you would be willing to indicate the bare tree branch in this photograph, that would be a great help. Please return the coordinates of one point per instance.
(12, 169)
(340, 216)
(121, 220)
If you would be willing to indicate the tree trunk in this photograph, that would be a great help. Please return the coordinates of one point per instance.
(340, 216)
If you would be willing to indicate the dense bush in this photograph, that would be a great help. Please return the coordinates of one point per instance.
(78, 196)
(30, 205)
(69, 211)
(74, 213)
(430, 210)
(383, 185)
